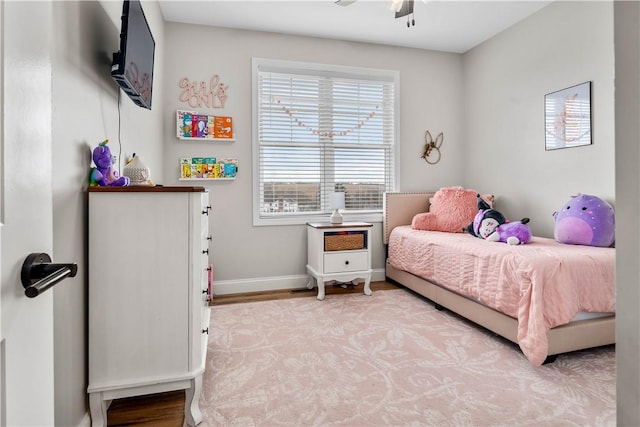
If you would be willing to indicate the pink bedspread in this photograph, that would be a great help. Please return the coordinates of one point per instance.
(543, 283)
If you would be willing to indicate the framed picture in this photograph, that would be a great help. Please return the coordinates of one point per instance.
(567, 117)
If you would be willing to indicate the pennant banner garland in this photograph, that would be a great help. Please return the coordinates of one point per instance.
(330, 134)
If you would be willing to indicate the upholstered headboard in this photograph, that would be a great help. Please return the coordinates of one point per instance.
(400, 208)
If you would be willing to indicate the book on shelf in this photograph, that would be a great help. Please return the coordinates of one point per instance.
(185, 167)
(210, 126)
(200, 167)
(191, 124)
(208, 168)
(230, 167)
(185, 123)
(201, 121)
(223, 127)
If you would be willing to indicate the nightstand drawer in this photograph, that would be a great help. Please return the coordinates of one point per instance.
(346, 261)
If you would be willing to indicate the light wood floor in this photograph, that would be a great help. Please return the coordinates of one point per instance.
(167, 409)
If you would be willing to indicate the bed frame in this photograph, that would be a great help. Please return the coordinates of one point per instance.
(400, 208)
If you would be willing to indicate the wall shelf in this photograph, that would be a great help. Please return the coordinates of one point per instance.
(192, 125)
(195, 138)
(206, 179)
(207, 168)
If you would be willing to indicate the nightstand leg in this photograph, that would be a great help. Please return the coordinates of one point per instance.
(320, 289)
(367, 286)
(310, 283)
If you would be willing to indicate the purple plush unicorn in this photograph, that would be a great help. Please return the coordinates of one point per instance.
(585, 220)
(104, 174)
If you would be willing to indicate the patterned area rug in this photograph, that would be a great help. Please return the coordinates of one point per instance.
(390, 359)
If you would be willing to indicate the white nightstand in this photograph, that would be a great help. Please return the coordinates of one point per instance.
(338, 252)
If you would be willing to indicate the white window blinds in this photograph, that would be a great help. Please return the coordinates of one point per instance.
(320, 131)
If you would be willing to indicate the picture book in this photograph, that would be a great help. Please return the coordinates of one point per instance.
(210, 126)
(208, 168)
(187, 123)
(185, 167)
(223, 127)
(210, 163)
(191, 124)
(200, 123)
(229, 167)
(198, 162)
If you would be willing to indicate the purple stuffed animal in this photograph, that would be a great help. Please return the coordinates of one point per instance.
(104, 174)
(491, 225)
(512, 233)
(585, 220)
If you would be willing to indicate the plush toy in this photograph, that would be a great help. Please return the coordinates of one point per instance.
(491, 225)
(512, 233)
(585, 220)
(450, 209)
(103, 174)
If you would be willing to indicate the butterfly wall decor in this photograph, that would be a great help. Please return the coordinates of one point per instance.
(432, 153)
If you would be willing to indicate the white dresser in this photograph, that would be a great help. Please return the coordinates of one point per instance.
(148, 294)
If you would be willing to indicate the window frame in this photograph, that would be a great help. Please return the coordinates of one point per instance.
(311, 68)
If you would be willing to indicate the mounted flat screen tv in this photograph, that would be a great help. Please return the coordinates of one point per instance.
(132, 66)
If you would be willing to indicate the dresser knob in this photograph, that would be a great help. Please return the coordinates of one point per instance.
(209, 238)
(206, 251)
(205, 331)
(209, 268)
(346, 262)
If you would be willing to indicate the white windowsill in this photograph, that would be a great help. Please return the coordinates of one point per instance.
(303, 219)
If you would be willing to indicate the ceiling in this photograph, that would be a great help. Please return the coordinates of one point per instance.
(443, 25)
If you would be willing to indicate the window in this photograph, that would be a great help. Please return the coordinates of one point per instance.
(320, 129)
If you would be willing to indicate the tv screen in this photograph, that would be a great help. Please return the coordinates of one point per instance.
(132, 66)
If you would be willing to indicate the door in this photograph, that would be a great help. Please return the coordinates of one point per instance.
(25, 212)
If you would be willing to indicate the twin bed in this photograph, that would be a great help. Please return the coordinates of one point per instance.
(548, 297)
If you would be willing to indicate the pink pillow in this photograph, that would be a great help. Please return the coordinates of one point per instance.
(451, 210)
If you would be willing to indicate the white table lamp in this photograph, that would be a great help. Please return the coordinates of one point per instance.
(337, 203)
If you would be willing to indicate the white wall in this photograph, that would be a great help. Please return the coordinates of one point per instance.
(85, 113)
(253, 258)
(627, 42)
(505, 80)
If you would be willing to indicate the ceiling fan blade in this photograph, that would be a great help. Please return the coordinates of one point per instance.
(406, 8)
(344, 2)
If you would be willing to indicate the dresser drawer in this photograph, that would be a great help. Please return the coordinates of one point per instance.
(340, 262)
(204, 217)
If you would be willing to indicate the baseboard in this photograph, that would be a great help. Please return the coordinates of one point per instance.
(227, 287)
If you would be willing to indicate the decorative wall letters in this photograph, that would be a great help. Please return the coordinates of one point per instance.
(198, 94)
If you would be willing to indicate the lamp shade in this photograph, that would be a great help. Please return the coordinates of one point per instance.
(337, 200)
